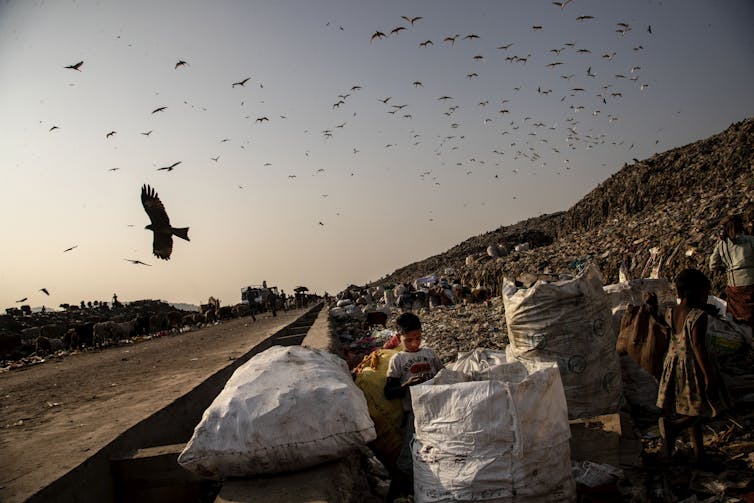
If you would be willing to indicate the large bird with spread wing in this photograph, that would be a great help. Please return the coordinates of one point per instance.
(162, 245)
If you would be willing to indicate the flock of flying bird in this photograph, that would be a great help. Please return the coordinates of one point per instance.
(527, 136)
(574, 88)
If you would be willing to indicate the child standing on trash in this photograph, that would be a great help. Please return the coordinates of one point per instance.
(691, 387)
(413, 365)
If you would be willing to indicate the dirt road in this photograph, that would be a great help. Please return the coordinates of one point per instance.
(55, 415)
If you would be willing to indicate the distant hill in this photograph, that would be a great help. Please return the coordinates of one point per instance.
(673, 201)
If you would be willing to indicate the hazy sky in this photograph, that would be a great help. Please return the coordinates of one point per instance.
(514, 140)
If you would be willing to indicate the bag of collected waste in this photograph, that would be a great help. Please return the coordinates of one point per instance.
(477, 361)
(568, 322)
(387, 415)
(727, 337)
(500, 439)
(644, 336)
(339, 313)
(631, 293)
(285, 409)
(720, 305)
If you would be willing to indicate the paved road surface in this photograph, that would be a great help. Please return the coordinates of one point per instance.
(55, 415)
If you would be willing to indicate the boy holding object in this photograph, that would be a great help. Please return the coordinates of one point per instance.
(413, 365)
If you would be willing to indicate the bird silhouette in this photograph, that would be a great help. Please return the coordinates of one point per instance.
(169, 168)
(452, 39)
(584, 18)
(471, 37)
(241, 83)
(180, 63)
(536, 27)
(53, 128)
(384, 100)
(262, 119)
(426, 43)
(147, 133)
(44, 290)
(22, 300)
(71, 248)
(160, 109)
(397, 29)
(215, 158)
(137, 262)
(417, 83)
(412, 20)
(376, 35)
(76, 67)
(562, 4)
(111, 133)
(162, 244)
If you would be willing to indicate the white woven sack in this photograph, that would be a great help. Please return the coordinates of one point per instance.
(569, 323)
(502, 439)
(285, 409)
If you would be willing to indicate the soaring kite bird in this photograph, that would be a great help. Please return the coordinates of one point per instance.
(162, 245)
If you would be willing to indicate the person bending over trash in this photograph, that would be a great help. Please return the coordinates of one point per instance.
(734, 253)
(691, 387)
(413, 365)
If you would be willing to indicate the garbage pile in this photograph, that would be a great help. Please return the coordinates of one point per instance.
(573, 323)
(30, 338)
(661, 213)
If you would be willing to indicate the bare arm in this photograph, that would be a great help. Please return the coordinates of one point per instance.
(715, 260)
(394, 388)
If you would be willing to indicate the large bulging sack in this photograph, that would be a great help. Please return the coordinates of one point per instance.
(386, 414)
(285, 409)
(631, 293)
(569, 323)
(498, 433)
(645, 337)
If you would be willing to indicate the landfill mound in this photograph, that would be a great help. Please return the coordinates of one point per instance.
(672, 201)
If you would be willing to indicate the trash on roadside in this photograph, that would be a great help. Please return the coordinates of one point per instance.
(285, 409)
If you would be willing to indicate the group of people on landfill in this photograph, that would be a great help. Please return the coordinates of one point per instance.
(691, 388)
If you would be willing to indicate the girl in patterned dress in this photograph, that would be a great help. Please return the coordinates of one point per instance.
(691, 387)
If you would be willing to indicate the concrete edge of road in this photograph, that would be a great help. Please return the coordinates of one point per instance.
(320, 335)
(172, 424)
